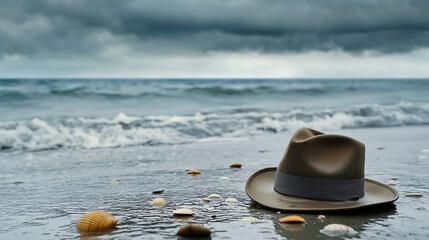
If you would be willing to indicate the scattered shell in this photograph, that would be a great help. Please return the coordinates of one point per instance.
(394, 178)
(194, 172)
(292, 218)
(96, 221)
(337, 228)
(279, 212)
(380, 173)
(210, 208)
(183, 211)
(157, 201)
(158, 191)
(391, 183)
(231, 200)
(321, 217)
(235, 165)
(250, 219)
(214, 195)
(193, 230)
(116, 180)
(206, 199)
(414, 195)
(224, 178)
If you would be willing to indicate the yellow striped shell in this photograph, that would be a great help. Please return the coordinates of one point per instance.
(96, 221)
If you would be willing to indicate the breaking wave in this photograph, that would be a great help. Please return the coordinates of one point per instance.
(123, 130)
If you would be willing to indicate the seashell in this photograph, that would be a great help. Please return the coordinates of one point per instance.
(157, 201)
(380, 173)
(292, 218)
(158, 191)
(183, 211)
(116, 180)
(391, 183)
(250, 219)
(214, 195)
(224, 178)
(231, 200)
(96, 221)
(210, 208)
(235, 165)
(206, 199)
(195, 172)
(321, 217)
(394, 178)
(338, 228)
(193, 230)
(414, 195)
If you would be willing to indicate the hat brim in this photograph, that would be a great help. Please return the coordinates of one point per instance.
(260, 188)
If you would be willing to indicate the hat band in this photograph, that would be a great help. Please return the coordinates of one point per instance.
(319, 188)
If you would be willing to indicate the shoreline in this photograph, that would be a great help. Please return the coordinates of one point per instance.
(46, 192)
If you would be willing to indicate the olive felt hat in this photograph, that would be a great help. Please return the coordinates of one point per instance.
(319, 172)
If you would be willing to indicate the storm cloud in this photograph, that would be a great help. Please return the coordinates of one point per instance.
(83, 27)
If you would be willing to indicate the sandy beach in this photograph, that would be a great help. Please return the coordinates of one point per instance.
(44, 193)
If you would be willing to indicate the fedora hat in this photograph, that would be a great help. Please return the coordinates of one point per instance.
(319, 172)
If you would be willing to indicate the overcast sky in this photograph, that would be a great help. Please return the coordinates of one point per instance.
(215, 38)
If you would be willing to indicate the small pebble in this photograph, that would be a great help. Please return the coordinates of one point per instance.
(321, 217)
(214, 195)
(235, 165)
(394, 178)
(116, 180)
(158, 191)
(194, 172)
(210, 208)
(380, 148)
(193, 230)
(231, 200)
(250, 219)
(157, 201)
(183, 211)
(414, 195)
(206, 199)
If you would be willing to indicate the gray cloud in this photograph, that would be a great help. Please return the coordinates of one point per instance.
(50, 28)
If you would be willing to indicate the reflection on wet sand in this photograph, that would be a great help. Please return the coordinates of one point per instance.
(358, 220)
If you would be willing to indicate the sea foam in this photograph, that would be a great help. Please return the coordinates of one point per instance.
(123, 130)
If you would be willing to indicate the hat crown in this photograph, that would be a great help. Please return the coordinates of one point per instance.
(311, 153)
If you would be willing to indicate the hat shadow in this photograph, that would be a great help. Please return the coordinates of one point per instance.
(359, 220)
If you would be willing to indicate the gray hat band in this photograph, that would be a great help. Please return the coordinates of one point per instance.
(319, 188)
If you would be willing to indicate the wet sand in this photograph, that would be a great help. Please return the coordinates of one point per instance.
(44, 193)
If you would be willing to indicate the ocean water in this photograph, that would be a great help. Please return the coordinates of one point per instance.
(42, 114)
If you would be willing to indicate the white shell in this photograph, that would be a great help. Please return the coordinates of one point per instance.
(157, 201)
(250, 219)
(116, 180)
(214, 195)
(231, 200)
(223, 178)
(183, 211)
(321, 217)
(338, 228)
